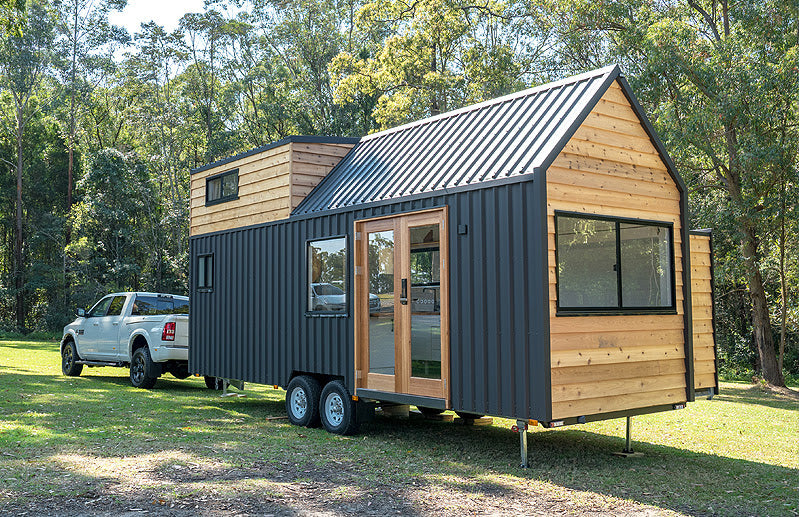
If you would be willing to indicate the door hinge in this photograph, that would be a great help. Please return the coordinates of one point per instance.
(358, 375)
(358, 270)
(358, 236)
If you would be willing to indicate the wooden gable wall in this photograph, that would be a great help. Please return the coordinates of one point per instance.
(603, 364)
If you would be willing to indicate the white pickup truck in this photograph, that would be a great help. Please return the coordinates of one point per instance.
(148, 332)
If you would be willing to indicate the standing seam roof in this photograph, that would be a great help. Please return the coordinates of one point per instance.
(494, 140)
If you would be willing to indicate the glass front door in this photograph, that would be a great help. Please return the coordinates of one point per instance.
(402, 304)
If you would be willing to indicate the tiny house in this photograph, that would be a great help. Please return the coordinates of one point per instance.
(527, 257)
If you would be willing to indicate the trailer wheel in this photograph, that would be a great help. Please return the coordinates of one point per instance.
(338, 409)
(180, 371)
(429, 411)
(302, 401)
(142, 369)
(213, 383)
(69, 358)
(468, 416)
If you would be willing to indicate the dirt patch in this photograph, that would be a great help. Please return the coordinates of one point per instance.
(178, 486)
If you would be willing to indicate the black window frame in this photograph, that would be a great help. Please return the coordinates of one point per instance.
(309, 312)
(221, 177)
(620, 309)
(202, 261)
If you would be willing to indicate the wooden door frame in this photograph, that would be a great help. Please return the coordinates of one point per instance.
(400, 223)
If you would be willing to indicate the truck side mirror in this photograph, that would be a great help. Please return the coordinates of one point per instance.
(81, 313)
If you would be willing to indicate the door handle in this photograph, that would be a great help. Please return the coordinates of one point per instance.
(115, 323)
(404, 292)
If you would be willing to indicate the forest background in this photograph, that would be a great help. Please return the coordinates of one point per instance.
(99, 128)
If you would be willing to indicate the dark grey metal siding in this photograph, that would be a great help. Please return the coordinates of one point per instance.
(254, 327)
(497, 140)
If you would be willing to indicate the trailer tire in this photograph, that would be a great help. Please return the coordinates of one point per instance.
(429, 411)
(302, 401)
(468, 416)
(69, 359)
(337, 409)
(213, 383)
(143, 371)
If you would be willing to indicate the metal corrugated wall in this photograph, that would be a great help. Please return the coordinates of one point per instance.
(253, 325)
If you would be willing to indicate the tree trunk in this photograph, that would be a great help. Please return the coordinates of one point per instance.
(19, 278)
(761, 324)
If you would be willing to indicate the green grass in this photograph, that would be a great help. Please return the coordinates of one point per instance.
(78, 437)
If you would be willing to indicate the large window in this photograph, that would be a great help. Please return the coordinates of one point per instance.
(327, 283)
(222, 187)
(611, 264)
(147, 305)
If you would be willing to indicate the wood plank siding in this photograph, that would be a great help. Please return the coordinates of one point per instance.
(603, 364)
(702, 303)
(271, 184)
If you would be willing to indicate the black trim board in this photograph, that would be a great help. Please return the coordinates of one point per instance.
(612, 415)
(401, 398)
(300, 139)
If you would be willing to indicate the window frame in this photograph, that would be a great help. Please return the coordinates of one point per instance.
(307, 278)
(221, 177)
(206, 287)
(620, 309)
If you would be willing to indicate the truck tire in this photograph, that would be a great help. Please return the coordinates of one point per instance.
(143, 371)
(69, 359)
(302, 401)
(337, 410)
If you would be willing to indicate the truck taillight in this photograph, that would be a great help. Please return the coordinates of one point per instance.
(169, 332)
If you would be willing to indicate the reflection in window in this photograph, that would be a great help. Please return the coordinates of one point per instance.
(380, 271)
(145, 305)
(587, 263)
(606, 263)
(425, 302)
(115, 309)
(223, 187)
(327, 264)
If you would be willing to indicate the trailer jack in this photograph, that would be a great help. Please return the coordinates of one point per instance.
(521, 428)
(628, 451)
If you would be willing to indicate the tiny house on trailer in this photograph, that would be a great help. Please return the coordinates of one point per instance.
(526, 257)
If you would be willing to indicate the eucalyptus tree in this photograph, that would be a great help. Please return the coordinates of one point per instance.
(25, 57)
(722, 81)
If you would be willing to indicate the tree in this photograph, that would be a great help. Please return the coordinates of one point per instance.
(24, 58)
(722, 80)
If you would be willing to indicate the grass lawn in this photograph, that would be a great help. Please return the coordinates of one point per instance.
(94, 444)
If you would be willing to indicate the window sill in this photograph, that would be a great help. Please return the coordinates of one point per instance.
(617, 312)
(205, 290)
(221, 200)
(327, 315)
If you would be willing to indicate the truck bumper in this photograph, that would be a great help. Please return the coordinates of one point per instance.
(161, 353)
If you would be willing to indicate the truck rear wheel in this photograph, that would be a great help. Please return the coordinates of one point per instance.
(143, 371)
(69, 359)
(302, 401)
(337, 410)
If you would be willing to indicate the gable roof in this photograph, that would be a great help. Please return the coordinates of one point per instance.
(500, 140)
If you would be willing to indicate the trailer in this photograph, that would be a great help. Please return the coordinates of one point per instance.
(527, 257)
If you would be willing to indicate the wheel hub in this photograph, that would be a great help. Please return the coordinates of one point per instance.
(299, 402)
(334, 409)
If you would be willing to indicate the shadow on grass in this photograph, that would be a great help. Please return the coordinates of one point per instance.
(754, 394)
(185, 435)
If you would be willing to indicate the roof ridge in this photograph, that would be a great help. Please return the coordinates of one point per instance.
(607, 70)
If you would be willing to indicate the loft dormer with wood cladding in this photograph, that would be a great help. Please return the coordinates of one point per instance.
(261, 185)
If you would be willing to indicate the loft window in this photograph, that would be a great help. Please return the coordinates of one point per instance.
(616, 265)
(222, 187)
(205, 273)
(327, 283)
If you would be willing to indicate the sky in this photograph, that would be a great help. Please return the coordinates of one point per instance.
(164, 12)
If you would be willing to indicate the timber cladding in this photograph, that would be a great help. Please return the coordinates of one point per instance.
(271, 183)
(603, 363)
(702, 301)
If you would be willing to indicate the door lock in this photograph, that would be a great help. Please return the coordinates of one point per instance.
(404, 292)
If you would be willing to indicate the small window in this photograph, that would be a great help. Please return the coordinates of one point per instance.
(115, 309)
(327, 286)
(611, 264)
(222, 187)
(205, 273)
